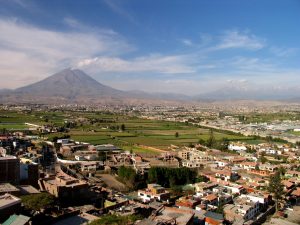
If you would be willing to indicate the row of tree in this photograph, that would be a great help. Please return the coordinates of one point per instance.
(169, 177)
(130, 178)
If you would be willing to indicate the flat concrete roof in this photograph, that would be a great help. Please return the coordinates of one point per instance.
(28, 189)
(8, 200)
(7, 187)
(181, 216)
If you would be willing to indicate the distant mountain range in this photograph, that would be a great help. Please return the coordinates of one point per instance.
(74, 86)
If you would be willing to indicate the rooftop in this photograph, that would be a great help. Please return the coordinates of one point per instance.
(7, 200)
(181, 216)
(7, 187)
(16, 220)
(8, 157)
(28, 189)
(213, 215)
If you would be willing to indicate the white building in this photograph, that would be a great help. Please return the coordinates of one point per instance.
(88, 166)
(237, 147)
(192, 164)
(153, 192)
(242, 209)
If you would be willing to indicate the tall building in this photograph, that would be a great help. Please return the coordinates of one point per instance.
(29, 174)
(9, 170)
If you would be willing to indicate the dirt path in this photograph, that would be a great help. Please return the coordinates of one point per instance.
(112, 182)
(152, 148)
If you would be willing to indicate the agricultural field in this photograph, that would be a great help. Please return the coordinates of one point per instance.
(103, 128)
(13, 126)
(269, 117)
(294, 132)
(39, 118)
(139, 132)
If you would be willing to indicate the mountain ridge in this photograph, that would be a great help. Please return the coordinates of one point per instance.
(75, 86)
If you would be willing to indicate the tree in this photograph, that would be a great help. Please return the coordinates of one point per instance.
(123, 127)
(269, 139)
(276, 187)
(191, 145)
(263, 159)
(176, 134)
(116, 220)
(169, 177)
(211, 140)
(201, 141)
(128, 176)
(38, 201)
(4, 131)
(224, 144)
(176, 190)
(281, 170)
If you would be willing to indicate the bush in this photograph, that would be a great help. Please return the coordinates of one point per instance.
(116, 220)
(38, 201)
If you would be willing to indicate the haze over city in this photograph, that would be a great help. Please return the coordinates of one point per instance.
(192, 48)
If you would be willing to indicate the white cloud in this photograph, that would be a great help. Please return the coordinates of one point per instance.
(283, 52)
(173, 64)
(238, 39)
(29, 51)
(117, 8)
(187, 42)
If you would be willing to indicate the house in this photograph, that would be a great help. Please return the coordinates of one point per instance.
(235, 189)
(192, 164)
(9, 169)
(248, 165)
(296, 195)
(170, 215)
(242, 209)
(62, 185)
(263, 199)
(221, 163)
(17, 220)
(203, 186)
(268, 167)
(210, 199)
(9, 204)
(292, 173)
(287, 185)
(154, 192)
(212, 218)
(188, 202)
(237, 147)
(88, 166)
(9, 188)
(227, 175)
(63, 141)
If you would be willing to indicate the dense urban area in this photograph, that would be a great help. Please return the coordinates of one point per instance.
(149, 165)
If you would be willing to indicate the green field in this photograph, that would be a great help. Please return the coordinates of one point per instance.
(269, 117)
(294, 132)
(16, 126)
(103, 128)
(159, 134)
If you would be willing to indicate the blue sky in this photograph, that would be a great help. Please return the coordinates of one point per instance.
(188, 47)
